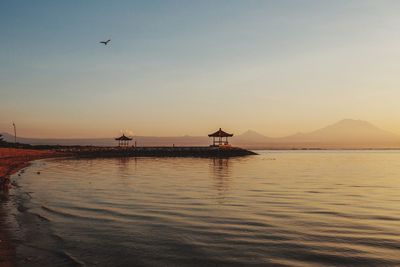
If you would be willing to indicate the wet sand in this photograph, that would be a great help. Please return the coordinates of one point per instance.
(11, 161)
(7, 251)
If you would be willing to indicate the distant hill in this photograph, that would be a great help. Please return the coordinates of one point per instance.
(252, 136)
(252, 139)
(346, 133)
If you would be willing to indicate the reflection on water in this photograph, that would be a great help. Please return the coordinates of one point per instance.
(221, 172)
(276, 209)
(126, 164)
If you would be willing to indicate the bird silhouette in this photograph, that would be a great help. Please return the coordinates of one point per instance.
(105, 42)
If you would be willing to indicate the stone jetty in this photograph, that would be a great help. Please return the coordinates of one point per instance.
(205, 152)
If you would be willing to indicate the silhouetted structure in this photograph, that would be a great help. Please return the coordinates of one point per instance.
(15, 133)
(123, 140)
(218, 138)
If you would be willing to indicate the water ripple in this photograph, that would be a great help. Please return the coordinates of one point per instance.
(302, 209)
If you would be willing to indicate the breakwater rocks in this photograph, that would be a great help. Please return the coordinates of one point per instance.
(205, 152)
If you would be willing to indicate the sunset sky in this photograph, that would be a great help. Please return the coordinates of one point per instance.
(190, 67)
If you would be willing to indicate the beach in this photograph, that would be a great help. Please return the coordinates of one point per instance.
(11, 161)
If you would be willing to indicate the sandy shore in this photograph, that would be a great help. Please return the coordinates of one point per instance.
(11, 161)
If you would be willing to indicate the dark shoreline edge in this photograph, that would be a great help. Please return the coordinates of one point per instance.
(7, 247)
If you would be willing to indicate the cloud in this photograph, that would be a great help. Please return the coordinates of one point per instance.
(127, 132)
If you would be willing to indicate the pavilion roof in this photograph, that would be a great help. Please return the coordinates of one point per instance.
(220, 133)
(123, 137)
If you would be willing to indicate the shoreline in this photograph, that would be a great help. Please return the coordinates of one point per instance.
(11, 161)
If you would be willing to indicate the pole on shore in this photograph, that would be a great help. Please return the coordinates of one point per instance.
(15, 133)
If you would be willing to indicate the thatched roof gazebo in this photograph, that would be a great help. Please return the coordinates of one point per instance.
(123, 140)
(218, 137)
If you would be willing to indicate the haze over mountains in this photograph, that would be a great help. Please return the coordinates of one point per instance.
(346, 133)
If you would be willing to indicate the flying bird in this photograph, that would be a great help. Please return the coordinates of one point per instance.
(105, 42)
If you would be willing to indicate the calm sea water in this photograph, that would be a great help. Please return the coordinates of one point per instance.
(280, 208)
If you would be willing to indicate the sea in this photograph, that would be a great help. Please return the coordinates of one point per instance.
(277, 208)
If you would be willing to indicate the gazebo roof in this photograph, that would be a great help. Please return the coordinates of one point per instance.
(123, 138)
(220, 133)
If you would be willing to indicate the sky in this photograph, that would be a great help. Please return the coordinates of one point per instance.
(190, 67)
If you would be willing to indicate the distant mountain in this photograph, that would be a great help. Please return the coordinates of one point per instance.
(346, 133)
(251, 136)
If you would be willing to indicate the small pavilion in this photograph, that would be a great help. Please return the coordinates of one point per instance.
(123, 140)
(220, 138)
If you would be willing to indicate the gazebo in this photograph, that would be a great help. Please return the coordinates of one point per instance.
(218, 137)
(123, 140)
